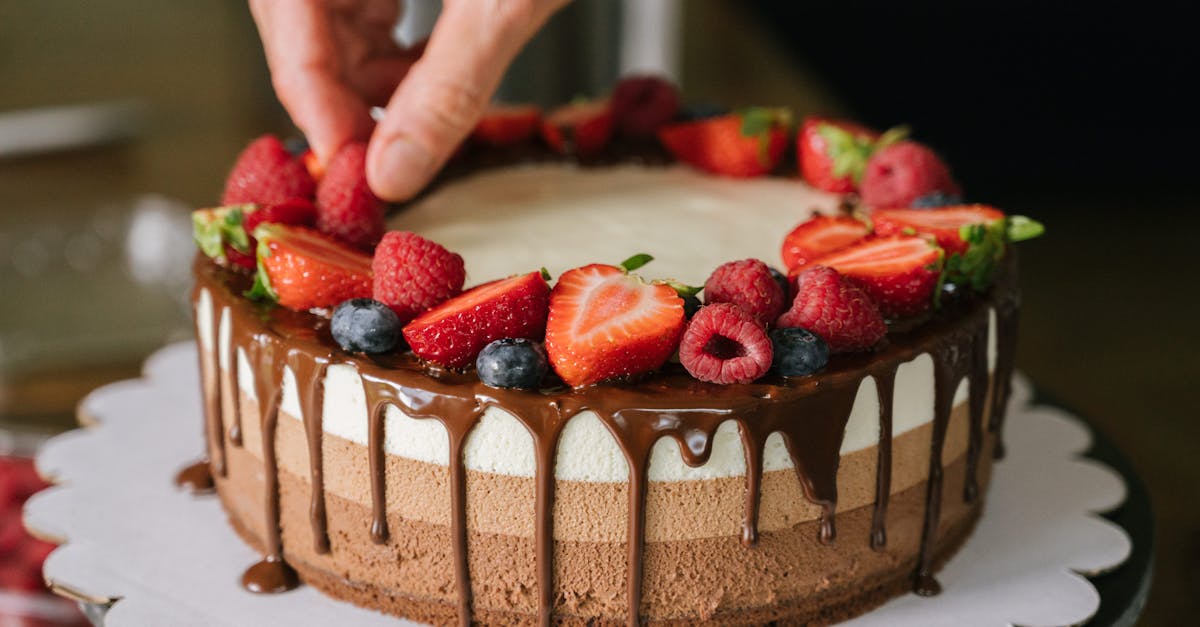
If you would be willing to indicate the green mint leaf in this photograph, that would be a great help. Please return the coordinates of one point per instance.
(546, 274)
(636, 261)
(1021, 228)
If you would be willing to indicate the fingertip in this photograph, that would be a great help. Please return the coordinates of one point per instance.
(398, 168)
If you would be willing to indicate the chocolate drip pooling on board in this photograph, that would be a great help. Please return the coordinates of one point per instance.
(809, 413)
(885, 390)
(309, 371)
(272, 574)
(196, 478)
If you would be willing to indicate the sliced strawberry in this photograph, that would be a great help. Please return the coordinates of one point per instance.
(301, 269)
(505, 125)
(833, 153)
(820, 235)
(900, 272)
(606, 323)
(453, 333)
(945, 224)
(744, 144)
(580, 128)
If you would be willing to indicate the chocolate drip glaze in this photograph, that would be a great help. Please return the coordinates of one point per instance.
(885, 386)
(231, 384)
(210, 392)
(309, 371)
(1006, 345)
(196, 478)
(810, 414)
(977, 387)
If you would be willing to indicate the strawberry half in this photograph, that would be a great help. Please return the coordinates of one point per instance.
(505, 125)
(744, 144)
(945, 224)
(899, 272)
(833, 153)
(818, 236)
(301, 269)
(453, 333)
(606, 323)
(580, 128)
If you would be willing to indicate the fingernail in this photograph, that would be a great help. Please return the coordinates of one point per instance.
(402, 164)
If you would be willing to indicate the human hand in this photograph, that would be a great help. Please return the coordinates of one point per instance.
(332, 60)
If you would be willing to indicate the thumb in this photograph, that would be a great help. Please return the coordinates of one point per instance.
(443, 95)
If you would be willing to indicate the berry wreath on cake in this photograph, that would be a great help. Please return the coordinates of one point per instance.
(570, 443)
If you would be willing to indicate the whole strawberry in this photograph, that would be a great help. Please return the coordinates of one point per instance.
(413, 274)
(897, 175)
(266, 173)
(748, 284)
(725, 344)
(833, 153)
(836, 309)
(346, 207)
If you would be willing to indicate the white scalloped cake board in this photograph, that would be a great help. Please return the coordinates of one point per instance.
(171, 558)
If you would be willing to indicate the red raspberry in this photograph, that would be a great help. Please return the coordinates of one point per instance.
(641, 104)
(748, 284)
(346, 207)
(413, 274)
(899, 174)
(725, 344)
(266, 173)
(829, 305)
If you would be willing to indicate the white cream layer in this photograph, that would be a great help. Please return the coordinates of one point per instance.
(516, 220)
(586, 450)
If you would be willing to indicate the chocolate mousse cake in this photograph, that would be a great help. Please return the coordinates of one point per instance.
(568, 443)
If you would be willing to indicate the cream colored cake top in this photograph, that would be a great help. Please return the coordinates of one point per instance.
(518, 219)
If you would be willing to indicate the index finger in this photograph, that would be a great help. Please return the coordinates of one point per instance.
(303, 58)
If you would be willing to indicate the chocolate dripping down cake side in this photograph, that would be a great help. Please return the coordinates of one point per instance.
(567, 442)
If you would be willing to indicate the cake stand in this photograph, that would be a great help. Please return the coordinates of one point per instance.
(151, 554)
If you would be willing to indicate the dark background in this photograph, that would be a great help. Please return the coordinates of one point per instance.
(1079, 114)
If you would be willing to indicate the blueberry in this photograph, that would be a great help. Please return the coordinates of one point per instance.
(936, 199)
(691, 304)
(512, 363)
(784, 285)
(798, 352)
(362, 325)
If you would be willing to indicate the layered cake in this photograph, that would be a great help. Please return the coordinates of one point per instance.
(569, 443)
